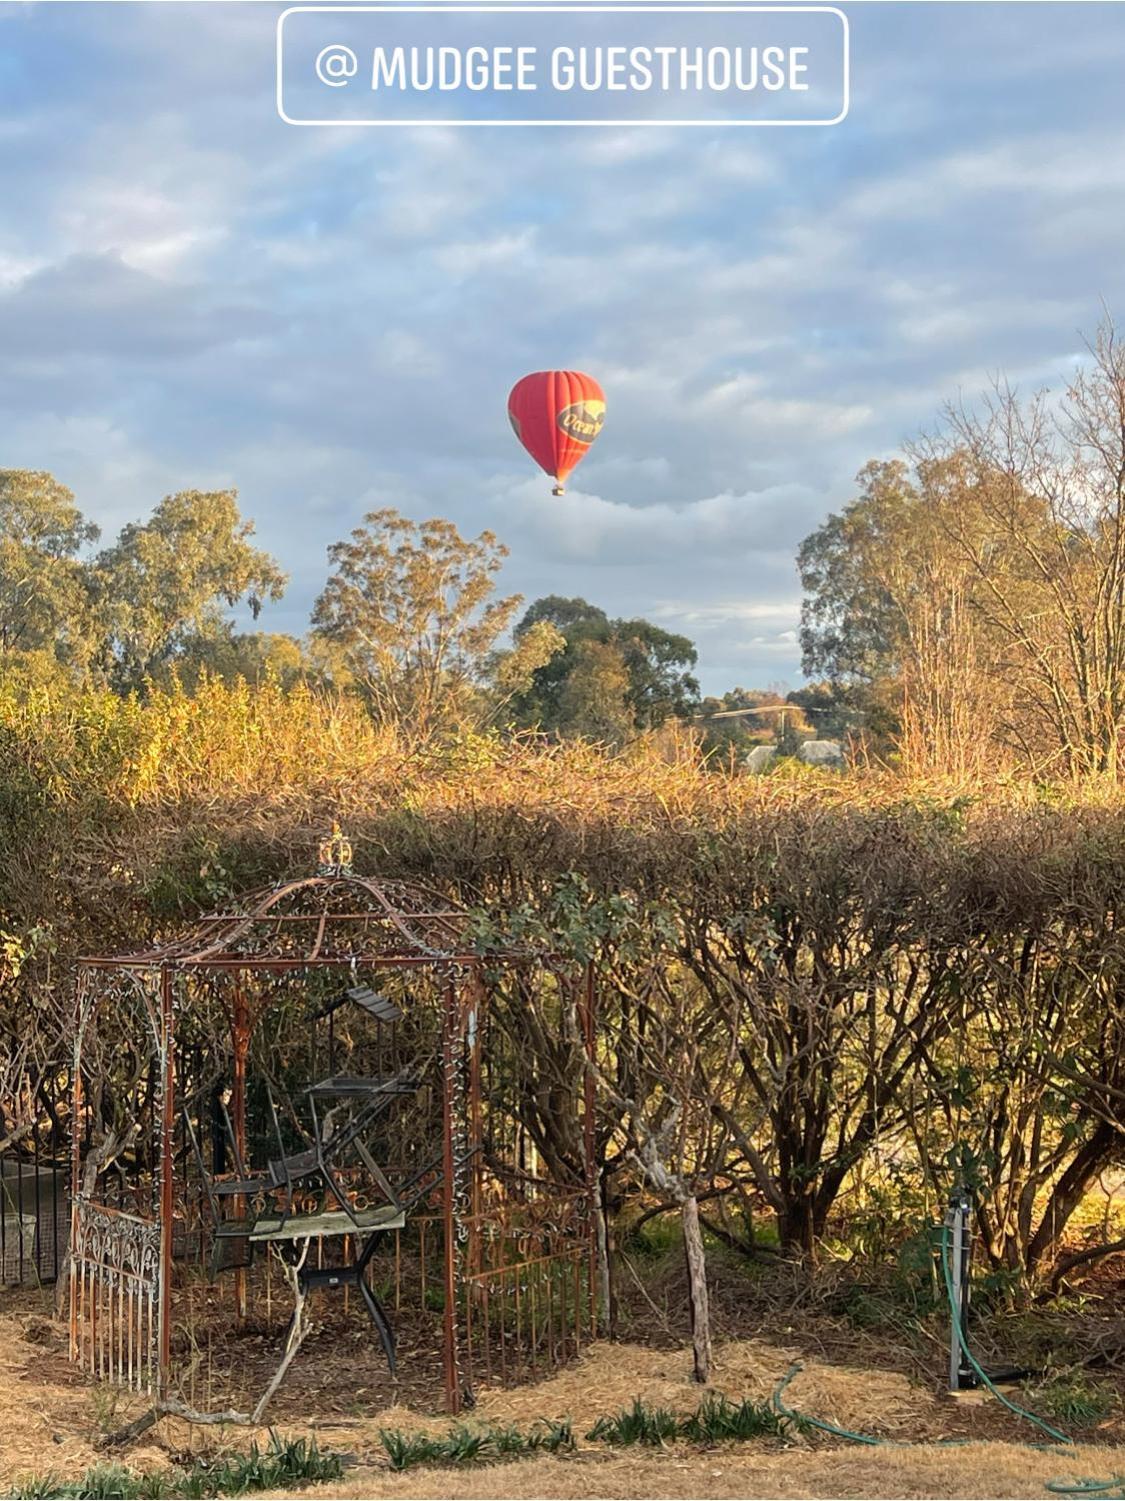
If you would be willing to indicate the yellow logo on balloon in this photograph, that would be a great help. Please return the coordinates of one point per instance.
(582, 421)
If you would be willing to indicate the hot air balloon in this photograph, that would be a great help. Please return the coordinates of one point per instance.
(556, 415)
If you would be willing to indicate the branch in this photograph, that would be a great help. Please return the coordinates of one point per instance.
(1080, 1258)
(172, 1407)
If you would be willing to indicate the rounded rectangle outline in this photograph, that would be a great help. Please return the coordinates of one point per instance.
(732, 7)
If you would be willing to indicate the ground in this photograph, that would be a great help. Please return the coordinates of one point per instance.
(52, 1419)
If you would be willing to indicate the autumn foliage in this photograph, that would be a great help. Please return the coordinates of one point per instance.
(853, 981)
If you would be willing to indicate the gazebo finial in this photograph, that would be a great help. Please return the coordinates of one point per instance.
(335, 854)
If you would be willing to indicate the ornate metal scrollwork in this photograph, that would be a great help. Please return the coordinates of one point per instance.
(115, 1245)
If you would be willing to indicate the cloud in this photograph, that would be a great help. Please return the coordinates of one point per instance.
(732, 612)
(191, 293)
(99, 306)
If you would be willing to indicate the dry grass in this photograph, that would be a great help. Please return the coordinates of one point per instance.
(49, 1418)
(610, 1376)
(985, 1470)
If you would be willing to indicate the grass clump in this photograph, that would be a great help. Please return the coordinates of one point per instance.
(404, 1450)
(1072, 1397)
(546, 1437)
(639, 1424)
(282, 1464)
(717, 1420)
(467, 1446)
(98, 1481)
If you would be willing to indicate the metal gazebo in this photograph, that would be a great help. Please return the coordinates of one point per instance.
(506, 1223)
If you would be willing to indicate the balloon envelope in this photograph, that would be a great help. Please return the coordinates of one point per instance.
(556, 415)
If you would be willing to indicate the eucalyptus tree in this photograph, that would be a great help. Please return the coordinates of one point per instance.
(167, 583)
(1046, 549)
(44, 593)
(410, 609)
(978, 590)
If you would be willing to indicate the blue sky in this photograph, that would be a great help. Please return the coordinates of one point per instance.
(194, 294)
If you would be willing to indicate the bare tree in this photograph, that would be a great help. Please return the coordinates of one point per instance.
(1042, 530)
(648, 1071)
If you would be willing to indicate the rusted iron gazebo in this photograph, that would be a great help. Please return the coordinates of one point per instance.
(512, 1209)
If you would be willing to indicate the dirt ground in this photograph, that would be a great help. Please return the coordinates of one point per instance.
(51, 1419)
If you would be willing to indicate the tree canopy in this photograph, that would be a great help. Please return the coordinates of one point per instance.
(44, 585)
(410, 610)
(612, 679)
(977, 585)
(164, 583)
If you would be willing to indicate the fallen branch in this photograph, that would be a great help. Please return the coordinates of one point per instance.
(171, 1407)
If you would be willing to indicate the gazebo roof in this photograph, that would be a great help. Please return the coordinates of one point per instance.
(321, 920)
(332, 918)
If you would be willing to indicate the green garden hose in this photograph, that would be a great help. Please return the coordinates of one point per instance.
(1080, 1488)
(955, 1315)
(1114, 1486)
(802, 1420)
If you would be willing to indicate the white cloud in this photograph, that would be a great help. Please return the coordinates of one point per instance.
(192, 293)
(470, 257)
(731, 612)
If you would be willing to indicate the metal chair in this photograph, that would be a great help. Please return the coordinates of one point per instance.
(370, 1098)
(222, 1189)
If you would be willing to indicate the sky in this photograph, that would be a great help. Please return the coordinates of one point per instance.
(194, 294)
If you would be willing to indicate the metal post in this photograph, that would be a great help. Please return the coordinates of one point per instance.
(240, 1042)
(476, 1026)
(76, 1158)
(167, 1129)
(450, 1020)
(957, 1222)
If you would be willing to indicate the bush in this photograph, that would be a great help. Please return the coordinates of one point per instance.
(1072, 1398)
(892, 964)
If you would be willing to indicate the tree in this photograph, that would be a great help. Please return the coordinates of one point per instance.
(982, 588)
(576, 621)
(573, 618)
(512, 672)
(410, 609)
(643, 1064)
(890, 618)
(594, 700)
(849, 624)
(656, 664)
(1045, 548)
(44, 600)
(657, 661)
(165, 581)
(250, 655)
(831, 705)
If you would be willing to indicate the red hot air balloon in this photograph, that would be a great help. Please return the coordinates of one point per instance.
(556, 415)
